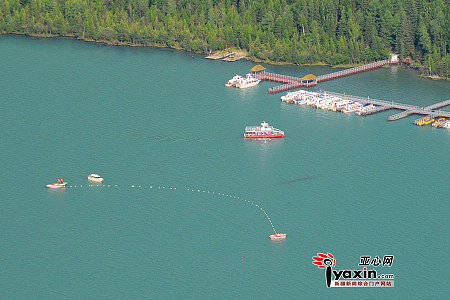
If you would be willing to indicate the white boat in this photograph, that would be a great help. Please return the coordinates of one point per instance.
(332, 103)
(232, 82)
(366, 109)
(278, 236)
(295, 96)
(311, 100)
(340, 104)
(95, 177)
(289, 97)
(249, 81)
(351, 107)
(325, 103)
(301, 101)
(447, 125)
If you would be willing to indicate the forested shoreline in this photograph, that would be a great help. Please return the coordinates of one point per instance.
(293, 31)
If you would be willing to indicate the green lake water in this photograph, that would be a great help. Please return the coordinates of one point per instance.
(161, 118)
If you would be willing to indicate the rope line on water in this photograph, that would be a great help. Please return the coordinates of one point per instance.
(159, 187)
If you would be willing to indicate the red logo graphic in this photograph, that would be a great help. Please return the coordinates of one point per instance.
(324, 260)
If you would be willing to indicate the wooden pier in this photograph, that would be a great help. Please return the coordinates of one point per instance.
(407, 109)
(438, 105)
(292, 82)
(351, 71)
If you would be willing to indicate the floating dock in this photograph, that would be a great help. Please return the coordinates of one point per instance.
(407, 108)
(367, 106)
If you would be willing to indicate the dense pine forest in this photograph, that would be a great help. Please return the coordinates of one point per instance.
(296, 31)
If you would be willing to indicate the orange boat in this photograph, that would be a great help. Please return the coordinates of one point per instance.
(61, 184)
(278, 236)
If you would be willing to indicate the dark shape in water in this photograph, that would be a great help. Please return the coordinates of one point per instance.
(166, 138)
(299, 179)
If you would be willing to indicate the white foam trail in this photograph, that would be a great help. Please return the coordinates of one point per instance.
(248, 201)
(202, 191)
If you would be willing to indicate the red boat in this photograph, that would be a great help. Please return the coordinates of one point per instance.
(262, 132)
(61, 184)
(278, 236)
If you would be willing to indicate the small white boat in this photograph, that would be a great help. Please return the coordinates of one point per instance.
(340, 104)
(294, 97)
(232, 82)
(95, 177)
(365, 109)
(351, 107)
(249, 81)
(324, 104)
(301, 101)
(447, 125)
(287, 97)
(278, 236)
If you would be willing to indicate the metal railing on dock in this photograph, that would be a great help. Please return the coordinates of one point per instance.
(398, 116)
(438, 105)
(366, 106)
(292, 82)
(407, 108)
(351, 71)
(374, 111)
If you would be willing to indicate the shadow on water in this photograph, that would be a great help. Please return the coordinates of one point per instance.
(299, 179)
(171, 139)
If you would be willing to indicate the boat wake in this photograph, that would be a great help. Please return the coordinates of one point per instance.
(161, 138)
(191, 190)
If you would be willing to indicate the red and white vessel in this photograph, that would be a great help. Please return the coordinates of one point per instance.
(262, 132)
(61, 184)
(278, 236)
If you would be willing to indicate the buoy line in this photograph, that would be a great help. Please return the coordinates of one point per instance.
(162, 187)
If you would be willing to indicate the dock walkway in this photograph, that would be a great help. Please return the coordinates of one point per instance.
(351, 71)
(407, 109)
(292, 82)
(438, 105)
